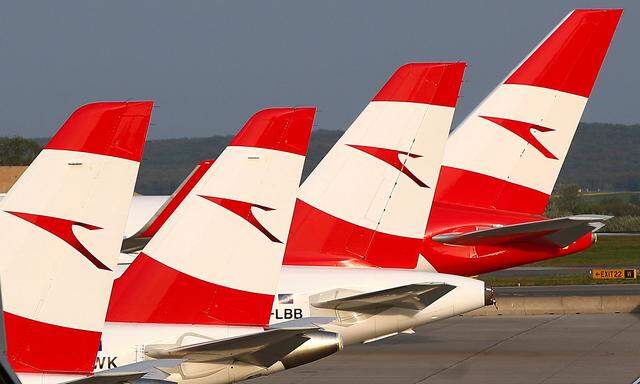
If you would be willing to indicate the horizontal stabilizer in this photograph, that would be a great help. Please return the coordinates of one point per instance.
(558, 232)
(412, 296)
(263, 348)
(109, 378)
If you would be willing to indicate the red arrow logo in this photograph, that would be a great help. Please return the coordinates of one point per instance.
(243, 209)
(391, 157)
(63, 229)
(523, 130)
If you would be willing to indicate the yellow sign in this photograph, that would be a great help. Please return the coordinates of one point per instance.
(602, 274)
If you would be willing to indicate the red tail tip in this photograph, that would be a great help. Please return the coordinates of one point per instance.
(427, 83)
(281, 129)
(570, 58)
(117, 129)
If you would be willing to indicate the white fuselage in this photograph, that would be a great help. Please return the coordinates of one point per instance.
(123, 343)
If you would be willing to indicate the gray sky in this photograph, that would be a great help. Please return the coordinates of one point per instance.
(210, 64)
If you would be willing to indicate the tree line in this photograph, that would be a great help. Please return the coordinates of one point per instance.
(602, 157)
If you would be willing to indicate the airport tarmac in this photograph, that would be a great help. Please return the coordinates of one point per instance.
(530, 349)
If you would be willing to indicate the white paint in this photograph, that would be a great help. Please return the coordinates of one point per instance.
(424, 265)
(484, 147)
(140, 208)
(43, 278)
(355, 186)
(126, 340)
(201, 234)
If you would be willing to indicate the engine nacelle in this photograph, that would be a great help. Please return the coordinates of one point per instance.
(320, 344)
(199, 371)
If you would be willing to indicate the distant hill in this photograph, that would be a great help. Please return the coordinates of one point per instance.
(166, 163)
(602, 157)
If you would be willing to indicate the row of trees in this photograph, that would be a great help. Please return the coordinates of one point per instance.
(601, 158)
(571, 200)
(18, 150)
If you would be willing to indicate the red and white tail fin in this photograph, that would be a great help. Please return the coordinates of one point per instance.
(508, 152)
(369, 198)
(137, 241)
(61, 226)
(217, 259)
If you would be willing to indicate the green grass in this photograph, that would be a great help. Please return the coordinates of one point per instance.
(607, 252)
(549, 280)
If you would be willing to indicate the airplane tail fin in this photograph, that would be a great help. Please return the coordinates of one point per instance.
(508, 152)
(369, 199)
(137, 241)
(62, 223)
(195, 269)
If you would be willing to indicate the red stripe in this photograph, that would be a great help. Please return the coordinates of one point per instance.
(117, 129)
(427, 83)
(281, 129)
(318, 239)
(570, 58)
(316, 235)
(176, 199)
(459, 186)
(33, 346)
(151, 292)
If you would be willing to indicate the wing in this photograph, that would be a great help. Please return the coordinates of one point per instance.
(412, 296)
(558, 232)
(262, 349)
(109, 378)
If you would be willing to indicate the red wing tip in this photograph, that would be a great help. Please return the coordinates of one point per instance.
(113, 128)
(284, 129)
(426, 83)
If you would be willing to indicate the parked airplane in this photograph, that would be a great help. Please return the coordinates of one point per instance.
(398, 138)
(485, 212)
(197, 304)
(62, 223)
(499, 168)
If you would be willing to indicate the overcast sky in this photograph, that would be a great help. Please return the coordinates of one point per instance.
(210, 64)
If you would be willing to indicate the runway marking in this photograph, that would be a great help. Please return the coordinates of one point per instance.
(482, 351)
